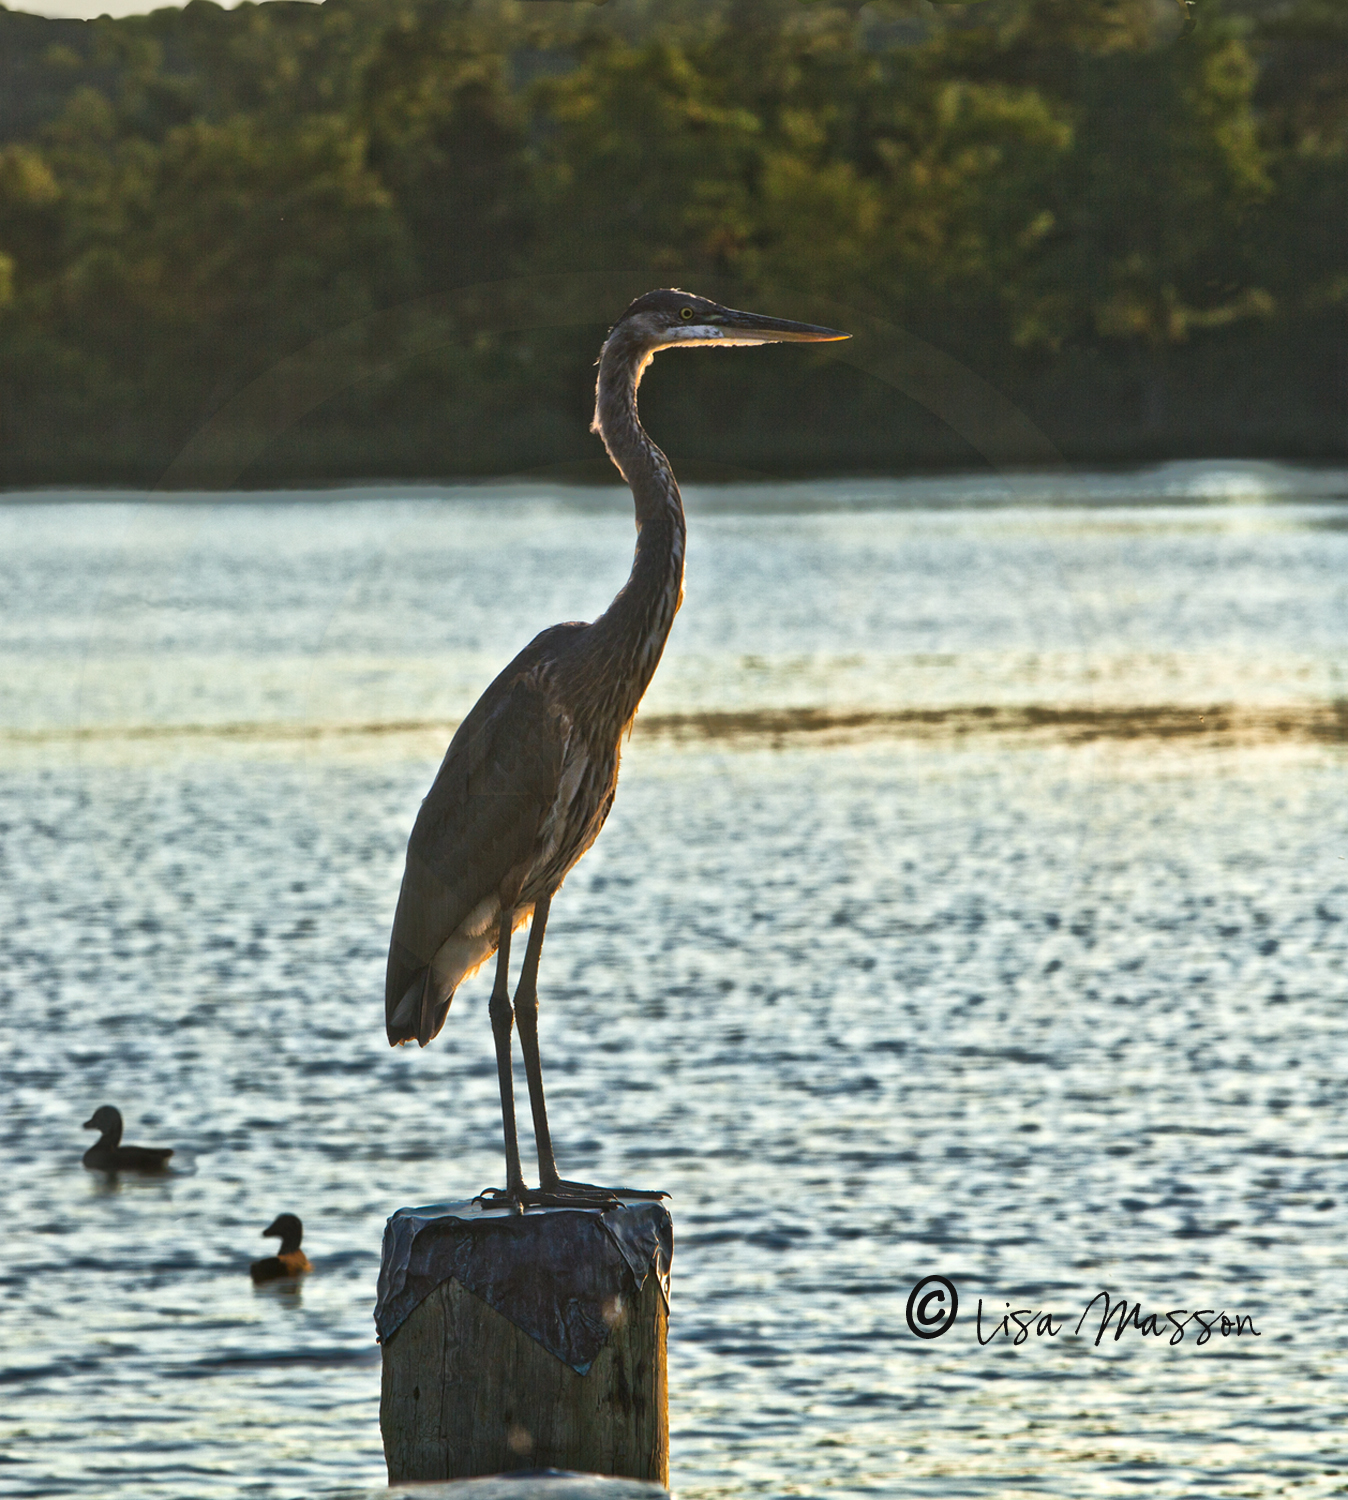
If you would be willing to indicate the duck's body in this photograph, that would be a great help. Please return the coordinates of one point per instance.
(107, 1154)
(282, 1267)
(290, 1261)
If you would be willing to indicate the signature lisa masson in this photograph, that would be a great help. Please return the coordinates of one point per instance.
(933, 1306)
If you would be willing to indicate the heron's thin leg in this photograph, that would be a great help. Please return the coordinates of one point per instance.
(502, 1018)
(526, 1012)
(552, 1188)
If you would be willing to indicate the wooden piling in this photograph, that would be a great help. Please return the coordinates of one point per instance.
(467, 1391)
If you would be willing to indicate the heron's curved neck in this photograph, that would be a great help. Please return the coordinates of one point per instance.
(636, 625)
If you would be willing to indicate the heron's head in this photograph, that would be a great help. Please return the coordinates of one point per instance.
(671, 319)
(105, 1119)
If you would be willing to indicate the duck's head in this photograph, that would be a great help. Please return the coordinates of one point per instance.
(287, 1228)
(106, 1120)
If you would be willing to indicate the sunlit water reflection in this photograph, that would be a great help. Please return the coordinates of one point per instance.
(1045, 1007)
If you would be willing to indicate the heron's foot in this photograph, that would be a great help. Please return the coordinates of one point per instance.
(562, 1194)
(582, 1192)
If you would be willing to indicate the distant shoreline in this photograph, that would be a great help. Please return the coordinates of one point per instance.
(1197, 482)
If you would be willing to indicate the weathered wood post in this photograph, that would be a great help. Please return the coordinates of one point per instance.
(525, 1340)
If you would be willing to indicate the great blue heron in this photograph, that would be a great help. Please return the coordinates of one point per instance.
(530, 775)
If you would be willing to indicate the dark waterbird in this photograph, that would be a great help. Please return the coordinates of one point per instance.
(530, 776)
(289, 1260)
(107, 1154)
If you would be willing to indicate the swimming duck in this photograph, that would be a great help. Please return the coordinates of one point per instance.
(290, 1260)
(107, 1154)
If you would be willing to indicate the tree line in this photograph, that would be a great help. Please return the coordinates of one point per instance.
(1133, 229)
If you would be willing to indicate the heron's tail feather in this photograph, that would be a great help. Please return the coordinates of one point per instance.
(403, 1018)
(419, 1013)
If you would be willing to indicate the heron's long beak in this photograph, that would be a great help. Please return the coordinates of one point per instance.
(752, 328)
(727, 327)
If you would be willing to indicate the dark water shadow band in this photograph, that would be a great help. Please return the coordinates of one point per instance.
(1216, 724)
(1228, 723)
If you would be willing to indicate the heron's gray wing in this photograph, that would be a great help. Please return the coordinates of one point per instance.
(474, 833)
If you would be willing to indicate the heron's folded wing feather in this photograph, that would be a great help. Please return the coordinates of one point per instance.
(479, 821)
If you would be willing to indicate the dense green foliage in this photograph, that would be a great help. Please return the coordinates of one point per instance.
(1139, 238)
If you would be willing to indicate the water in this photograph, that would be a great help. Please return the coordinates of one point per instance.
(975, 902)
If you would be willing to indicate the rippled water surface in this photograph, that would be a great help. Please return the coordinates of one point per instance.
(975, 902)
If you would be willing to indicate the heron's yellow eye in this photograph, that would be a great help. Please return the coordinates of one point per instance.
(687, 312)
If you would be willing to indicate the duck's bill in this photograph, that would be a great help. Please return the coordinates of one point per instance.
(88, 1125)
